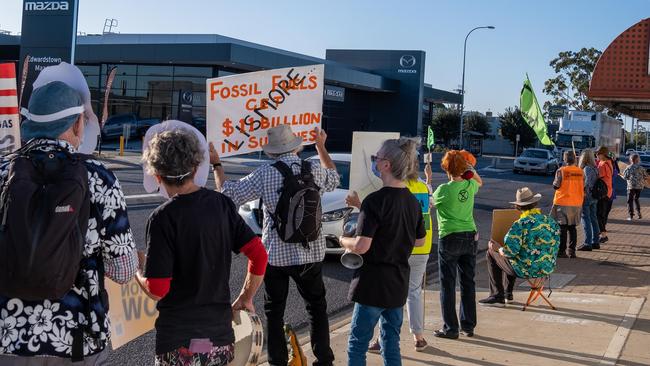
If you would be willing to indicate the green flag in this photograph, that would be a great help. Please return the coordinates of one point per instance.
(532, 113)
(431, 140)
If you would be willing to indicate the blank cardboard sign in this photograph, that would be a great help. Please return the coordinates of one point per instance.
(502, 220)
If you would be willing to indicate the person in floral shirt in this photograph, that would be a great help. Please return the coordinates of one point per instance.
(50, 332)
(529, 251)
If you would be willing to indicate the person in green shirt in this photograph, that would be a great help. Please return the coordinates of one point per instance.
(457, 244)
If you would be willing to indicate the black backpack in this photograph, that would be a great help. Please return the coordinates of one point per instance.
(298, 213)
(44, 211)
(599, 191)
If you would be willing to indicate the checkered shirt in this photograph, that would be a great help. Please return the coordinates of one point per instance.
(265, 183)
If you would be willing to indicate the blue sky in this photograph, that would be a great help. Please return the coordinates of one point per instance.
(527, 35)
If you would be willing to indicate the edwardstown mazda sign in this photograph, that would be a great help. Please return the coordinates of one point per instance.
(407, 62)
(46, 5)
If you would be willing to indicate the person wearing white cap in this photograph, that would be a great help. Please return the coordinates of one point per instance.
(72, 328)
(529, 249)
(302, 263)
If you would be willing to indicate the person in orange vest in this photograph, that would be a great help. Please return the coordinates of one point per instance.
(567, 203)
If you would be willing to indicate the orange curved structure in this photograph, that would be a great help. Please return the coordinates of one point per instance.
(621, 79)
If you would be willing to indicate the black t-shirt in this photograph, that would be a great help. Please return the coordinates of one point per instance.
(190, 238)
(392, 217)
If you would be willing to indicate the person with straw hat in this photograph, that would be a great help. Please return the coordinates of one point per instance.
(529, 249)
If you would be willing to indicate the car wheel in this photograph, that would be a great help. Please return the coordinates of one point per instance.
(515, 171)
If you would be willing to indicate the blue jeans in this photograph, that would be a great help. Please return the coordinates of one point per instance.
(457, 255)
(364, 319)
(590, 223)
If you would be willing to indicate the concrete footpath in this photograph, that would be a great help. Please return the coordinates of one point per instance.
(602, 316)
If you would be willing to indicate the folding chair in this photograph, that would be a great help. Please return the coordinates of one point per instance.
(536, 288)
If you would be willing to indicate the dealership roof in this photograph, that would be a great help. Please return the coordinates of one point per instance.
(213, 49)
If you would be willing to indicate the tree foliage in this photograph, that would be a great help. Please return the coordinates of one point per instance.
(570, 85)
(513, 124)
(476, 122)
(446, 124)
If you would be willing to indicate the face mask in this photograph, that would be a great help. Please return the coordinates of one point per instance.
(375, 170)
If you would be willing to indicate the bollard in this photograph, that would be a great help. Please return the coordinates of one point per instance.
(121, 145)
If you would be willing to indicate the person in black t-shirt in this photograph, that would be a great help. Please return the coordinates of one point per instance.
(390, 224)
(190, 239)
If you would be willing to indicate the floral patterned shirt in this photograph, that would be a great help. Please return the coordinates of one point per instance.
(531, 244)
(45, 328)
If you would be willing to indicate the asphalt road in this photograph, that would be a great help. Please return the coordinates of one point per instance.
(498, 190)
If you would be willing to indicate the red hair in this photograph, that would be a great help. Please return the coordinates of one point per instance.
(454, 163)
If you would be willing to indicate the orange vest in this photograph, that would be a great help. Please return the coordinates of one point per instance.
(571, 192)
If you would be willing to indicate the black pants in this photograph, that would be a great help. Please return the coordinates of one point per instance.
(457, 255)
(632, 198)
(499, 265)
(602, 211)
(570, 231)
(309, 281)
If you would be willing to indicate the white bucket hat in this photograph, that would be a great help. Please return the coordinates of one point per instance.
(526, 197)
(281, 140)
(72, 76)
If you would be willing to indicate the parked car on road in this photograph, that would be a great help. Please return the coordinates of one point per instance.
(536, 161)
(114, 126)
(645, 162)
(333, 204)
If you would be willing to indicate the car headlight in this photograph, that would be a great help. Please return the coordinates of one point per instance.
(336, 215)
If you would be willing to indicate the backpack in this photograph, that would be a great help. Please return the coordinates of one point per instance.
(44, 211)
(298, 213)
(599, 191)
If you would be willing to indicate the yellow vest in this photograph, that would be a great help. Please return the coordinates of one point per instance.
(571, 191)
(421, 192)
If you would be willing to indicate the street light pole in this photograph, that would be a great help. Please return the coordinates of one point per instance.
(462, 87)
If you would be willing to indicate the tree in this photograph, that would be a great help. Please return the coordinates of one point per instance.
(476, 122)
(569, 87)
(513, 124)
(446, 124)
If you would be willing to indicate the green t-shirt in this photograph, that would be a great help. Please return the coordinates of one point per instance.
(455, 207)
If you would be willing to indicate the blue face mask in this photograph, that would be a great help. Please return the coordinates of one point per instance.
(375, 171)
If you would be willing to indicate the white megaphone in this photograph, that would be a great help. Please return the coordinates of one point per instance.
(348, 259)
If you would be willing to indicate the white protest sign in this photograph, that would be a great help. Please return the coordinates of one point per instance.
(241, 108)
(131, 311)
(364, 145)
(9, 117)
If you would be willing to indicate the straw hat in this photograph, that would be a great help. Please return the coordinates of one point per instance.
(526, 197)
(281, 140)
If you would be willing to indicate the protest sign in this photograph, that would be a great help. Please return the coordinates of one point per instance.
(621, 168)
(9, 116)
(131, 311)
(241, 108)
(364, 145)
(502, 220)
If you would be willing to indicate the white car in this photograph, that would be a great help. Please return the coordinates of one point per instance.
(536, 161)
(333, 204)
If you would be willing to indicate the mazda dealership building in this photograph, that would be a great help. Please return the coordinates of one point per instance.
(377, 90)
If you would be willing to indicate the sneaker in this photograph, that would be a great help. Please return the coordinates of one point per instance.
(468, 333)
(584, 248)
(421, 345)
(440, 333)
(595, 246)
(630, 218)
(509, 299)
(604, 239)
(374, 346)
(493, 301)
(639, 214)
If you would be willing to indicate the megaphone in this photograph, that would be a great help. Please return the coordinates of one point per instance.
(348, 259)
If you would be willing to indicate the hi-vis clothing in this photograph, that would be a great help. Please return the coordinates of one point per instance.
(421, 192)
(571, 191)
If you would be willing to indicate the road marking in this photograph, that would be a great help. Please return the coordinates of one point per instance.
(138, 197)
(547, 318)
(617, 343)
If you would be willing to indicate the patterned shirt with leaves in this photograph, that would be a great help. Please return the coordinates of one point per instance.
(45, 328)
(532, 243)
(635, 175)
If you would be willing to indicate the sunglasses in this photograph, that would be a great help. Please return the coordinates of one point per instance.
(375, 158)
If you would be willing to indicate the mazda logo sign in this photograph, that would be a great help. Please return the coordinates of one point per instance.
(407, 61)
(188, 97)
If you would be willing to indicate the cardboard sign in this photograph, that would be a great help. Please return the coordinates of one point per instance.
(502, 220)
(131, 311)
(9, 118)
(621, 168)
(241, 108)
(364, 145)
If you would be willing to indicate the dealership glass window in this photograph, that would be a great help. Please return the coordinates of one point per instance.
(124, 86)
(89, 69)
(157, 82)
(122, 69)
(226, 73)
(190, 71)
(189, 83)
(92, 80)
(145, 70)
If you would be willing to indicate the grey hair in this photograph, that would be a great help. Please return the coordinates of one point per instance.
(402, 154)
(587, 159)
(174, 156)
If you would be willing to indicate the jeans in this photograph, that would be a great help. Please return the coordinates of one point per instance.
(633, 198)
(414, 305)
(590, 223)
(603, 208)
(499, 265)
(364, 319)
(569, 248)
(309, 281)
(457, 255)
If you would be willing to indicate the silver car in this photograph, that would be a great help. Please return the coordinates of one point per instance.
(333, 204)
(536, 161)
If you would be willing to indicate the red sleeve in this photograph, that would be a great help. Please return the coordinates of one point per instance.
(257, 258)
(159, 286)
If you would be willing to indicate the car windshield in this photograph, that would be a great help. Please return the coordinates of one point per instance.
(564, 140)
(537, 154)
(343, 168)
(645, 158)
